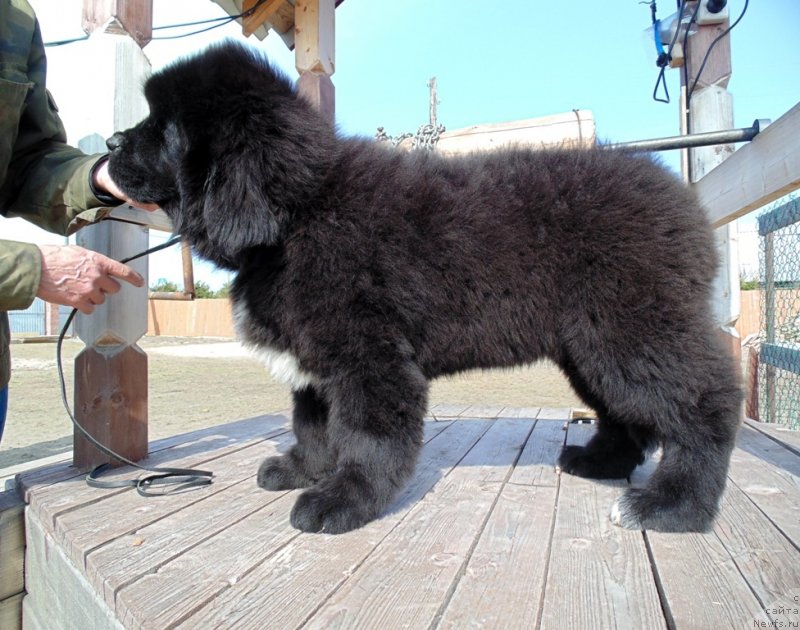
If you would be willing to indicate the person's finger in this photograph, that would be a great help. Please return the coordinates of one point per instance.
(103, 181)
(97, 297)
(123, 272)
(85, 307)
(107, 284)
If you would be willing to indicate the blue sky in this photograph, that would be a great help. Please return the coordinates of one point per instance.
(495, 62)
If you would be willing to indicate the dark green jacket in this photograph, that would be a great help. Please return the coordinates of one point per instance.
(42, 179)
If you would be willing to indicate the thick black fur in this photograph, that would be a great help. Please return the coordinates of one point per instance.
(369, 271)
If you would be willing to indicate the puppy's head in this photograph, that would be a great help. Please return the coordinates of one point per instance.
(228, 150)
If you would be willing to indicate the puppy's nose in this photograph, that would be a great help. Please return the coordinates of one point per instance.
(115, 141)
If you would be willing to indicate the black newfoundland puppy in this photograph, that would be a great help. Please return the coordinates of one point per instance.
(363, 272)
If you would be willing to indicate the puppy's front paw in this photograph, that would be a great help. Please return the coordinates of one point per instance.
(641, 508)
(281, 473)
(335, 505)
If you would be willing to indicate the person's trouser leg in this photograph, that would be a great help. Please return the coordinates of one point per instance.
(3, 408)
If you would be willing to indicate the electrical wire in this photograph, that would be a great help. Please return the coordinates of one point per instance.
(220, 21)
(665, 58)
(685, 68)
(710, 48)
(182, 478)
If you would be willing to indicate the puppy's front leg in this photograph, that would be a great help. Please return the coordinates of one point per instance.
(375, 428)
(310, 459)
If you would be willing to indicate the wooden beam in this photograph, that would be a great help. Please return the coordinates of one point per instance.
(157, 220)
(318, 89)
(128, 17)
(764, 170)
(314, 36)
(314, 53)
(111, 371)
(574, 128)
(263, 13)
(710, 108)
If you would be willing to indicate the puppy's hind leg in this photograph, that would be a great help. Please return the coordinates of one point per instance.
(615, 449)
(678, 390)
(310, 459)
(684, 492)
(376, 430)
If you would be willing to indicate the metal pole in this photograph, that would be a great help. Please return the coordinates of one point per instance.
(710, 138)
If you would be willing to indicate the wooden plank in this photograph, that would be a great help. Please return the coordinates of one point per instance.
(766, 559)
(231, 433)
(83, 530)
(58, 594)
(790, 438)
(537, 463)
(444, 410)
(176, 590)
(761, 171)
(700, 575)
(195, 318)
(769, 474)
(155, 219)
(12, 545)
(503, 581)
(482, 411)
(700, 583)
(576, 127)
(263, 13)
(404, 582)
(554, 413)
(49, 501)
(289, 586)
(599, 575)
(131, 556)
(520, 412)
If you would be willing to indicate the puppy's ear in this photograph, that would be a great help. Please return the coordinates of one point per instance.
(236, 212)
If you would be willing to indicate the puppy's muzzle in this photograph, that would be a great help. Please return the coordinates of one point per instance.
(115, 141)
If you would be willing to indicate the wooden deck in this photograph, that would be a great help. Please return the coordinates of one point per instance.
(487, 535)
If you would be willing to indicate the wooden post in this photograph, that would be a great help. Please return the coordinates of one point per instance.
(111, 372)
(314, 53)
(710, 108)
(51, 319)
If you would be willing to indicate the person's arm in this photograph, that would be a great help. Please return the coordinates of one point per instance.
(44, 180)
(20, 272)
(61, 274)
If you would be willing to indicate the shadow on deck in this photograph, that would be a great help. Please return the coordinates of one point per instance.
(487, 534)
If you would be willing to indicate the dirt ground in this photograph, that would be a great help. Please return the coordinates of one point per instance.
(195, 383)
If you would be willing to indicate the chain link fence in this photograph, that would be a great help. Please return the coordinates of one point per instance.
(779, 356)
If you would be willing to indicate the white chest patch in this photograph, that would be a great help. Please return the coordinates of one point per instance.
(283, 366)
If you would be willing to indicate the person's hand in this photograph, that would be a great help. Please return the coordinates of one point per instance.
(103, 181)
(80, 278)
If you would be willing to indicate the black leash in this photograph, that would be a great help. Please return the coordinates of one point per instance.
(182, 478)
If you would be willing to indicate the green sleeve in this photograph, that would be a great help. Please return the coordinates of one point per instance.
(53, 188)
(42, 179)
(20, 273)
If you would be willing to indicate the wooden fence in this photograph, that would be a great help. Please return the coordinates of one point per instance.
(195, 318)
(213, 318)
